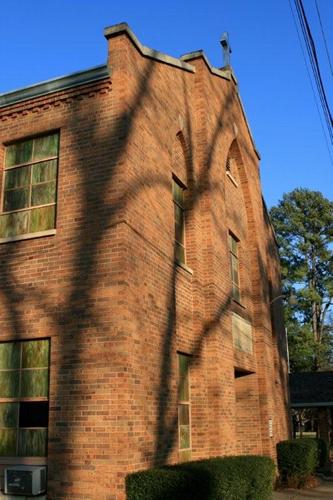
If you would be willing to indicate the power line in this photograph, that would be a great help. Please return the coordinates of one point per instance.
(324, 37)
(311, 48)
(309, 43)
(311, 83)
(312, 54)
(315, 66)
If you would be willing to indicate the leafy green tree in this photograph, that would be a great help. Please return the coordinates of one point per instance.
(303, 222)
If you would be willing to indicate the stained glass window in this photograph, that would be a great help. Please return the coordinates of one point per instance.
(179, 216)
(184, 407)
(24, 385)
(30, 178)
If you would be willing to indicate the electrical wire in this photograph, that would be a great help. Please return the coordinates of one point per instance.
(324, 37)
(310, 45)
(311, 83)
(311, 50)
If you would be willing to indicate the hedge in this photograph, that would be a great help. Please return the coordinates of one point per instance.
(297, 460)
(229, 478)
(322, 452)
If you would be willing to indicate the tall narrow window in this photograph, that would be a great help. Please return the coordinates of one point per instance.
(179, 209)
(24, 390)
(184, 408)
(234, 264)
(29, 191)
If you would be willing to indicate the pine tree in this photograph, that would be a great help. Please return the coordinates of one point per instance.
(303, 222)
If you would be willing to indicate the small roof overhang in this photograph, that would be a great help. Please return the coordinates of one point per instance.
(311, 389)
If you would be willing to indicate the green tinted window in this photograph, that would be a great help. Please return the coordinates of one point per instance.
(177, 193)
(18, 153)
(32, 442)
(184, 414)
(9, 383)
(24, 378)
(236, 292)
(183, 377)
(14, 224)
(34, 383)
(45, 146)
(42, 194)
(42, 219)
(32, 184)
(179, 224)
(17, 177)
(16, 199)
(234, 269)
(8, 442)
(179, 252)
(233, 244)
(35, 354)
(45, 171)
(234, 265)
(184, 407)
(9, 355)
(8, 414)
(179, 218)
(184, 437)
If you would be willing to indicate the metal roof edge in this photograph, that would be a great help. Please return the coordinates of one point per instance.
(55, 85)
(311, 405)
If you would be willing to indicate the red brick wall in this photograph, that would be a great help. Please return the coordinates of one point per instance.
(248, 433)
(106, 289)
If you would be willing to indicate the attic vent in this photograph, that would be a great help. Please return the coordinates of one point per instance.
(228, 165)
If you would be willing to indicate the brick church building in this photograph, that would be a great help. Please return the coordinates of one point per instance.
(140, 319)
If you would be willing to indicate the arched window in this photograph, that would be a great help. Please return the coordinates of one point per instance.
(231, 168)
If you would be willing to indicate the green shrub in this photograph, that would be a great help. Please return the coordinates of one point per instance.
(297, 460)
(229, 478)
(322, 452)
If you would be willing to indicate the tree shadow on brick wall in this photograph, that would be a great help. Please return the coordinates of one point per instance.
(166, 430)
(78, 311)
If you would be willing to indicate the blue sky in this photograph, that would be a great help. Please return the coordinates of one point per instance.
(42, 39)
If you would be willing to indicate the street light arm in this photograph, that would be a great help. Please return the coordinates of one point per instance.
(292, 299)
(282, 296)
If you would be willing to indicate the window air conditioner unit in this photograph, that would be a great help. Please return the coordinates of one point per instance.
(28, 480)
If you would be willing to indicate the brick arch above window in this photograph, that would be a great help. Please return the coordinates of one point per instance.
(237, 192)
(234, 163)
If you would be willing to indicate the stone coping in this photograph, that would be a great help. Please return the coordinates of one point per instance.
(103, 71)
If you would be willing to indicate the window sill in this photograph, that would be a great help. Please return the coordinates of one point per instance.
(238, 303)
(184, 266)
(242, 351)
(40, 234)
(232, 179)
(6, 496)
